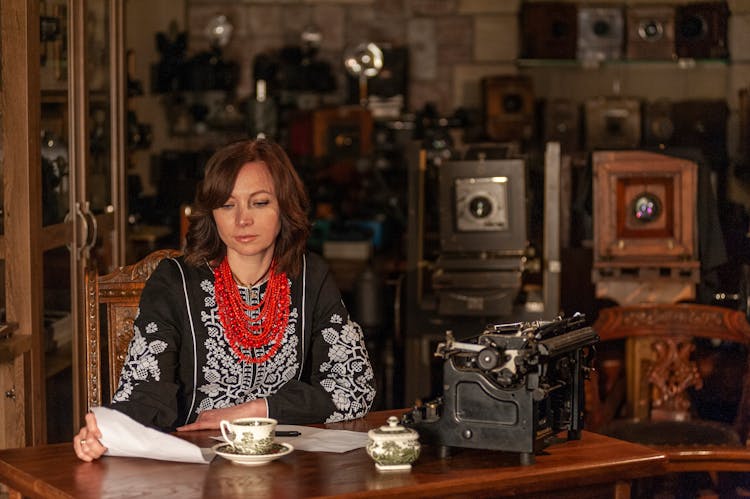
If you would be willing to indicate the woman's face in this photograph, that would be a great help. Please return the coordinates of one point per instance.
(249, 221)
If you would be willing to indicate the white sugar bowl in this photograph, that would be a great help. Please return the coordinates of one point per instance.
(393, 447)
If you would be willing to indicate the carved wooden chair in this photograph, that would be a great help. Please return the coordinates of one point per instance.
(111, 305)
(185, 211)
(674, 376)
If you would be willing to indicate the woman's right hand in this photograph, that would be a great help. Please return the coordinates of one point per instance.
(86, 443)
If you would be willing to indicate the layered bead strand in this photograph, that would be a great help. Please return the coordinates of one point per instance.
(244, 332)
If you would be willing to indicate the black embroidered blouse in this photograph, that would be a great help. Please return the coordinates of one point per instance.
(179, 363)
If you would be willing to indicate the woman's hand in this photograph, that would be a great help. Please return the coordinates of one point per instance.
(209, 420)
(86, 443)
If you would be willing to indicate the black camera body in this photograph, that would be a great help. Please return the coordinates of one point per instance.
(482, 237)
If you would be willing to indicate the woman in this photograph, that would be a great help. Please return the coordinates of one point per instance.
(246, 323)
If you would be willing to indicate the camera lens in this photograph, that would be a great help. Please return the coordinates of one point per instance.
(650, 30)
(601, 28)
(693, 27)
(480, 207)
(512, 103)
(560, 29)
(646, 207)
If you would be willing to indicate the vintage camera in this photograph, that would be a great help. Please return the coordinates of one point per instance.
(342, 133)
(392, 81)
(562, 123)
(645, 211)
(508, 108)
(549, 30)
(702, 124)
(139, 134)
(612, 123)
(701, 30)
(482, 206)
(600, 33)
(650, 32)
(482, 237)
(658, 123)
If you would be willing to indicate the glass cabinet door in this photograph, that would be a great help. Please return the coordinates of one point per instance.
(57, 174)
(78, 140)
(105, 101)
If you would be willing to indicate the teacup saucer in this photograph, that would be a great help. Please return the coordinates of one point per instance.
(227, 452)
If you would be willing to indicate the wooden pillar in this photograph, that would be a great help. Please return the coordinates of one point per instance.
(22, 211)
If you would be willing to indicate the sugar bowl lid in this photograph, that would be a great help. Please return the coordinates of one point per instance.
(392, 431)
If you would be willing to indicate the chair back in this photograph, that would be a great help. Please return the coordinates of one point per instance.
(661, 367)
(111, 305)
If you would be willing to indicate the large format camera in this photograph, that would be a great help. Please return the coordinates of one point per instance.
(482, 237)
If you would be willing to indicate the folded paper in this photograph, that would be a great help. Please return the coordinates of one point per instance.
(123, 436)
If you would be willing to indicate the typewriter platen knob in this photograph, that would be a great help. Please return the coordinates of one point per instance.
(487, 359)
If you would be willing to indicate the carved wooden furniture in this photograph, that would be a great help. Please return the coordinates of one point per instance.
(679, 362)
(111, 305)
(645, 227)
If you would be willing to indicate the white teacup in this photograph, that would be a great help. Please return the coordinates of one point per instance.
(249, 435)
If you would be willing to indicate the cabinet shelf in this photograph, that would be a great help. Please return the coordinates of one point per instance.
(652, 63)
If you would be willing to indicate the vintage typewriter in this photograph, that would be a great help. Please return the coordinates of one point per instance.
(513, 388)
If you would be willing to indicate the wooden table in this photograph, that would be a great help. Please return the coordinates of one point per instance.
(595, 466)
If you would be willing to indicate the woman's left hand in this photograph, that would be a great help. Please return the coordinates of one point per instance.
(87, 443)
(209, 420)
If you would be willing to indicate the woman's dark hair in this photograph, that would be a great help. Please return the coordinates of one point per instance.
(202, 241)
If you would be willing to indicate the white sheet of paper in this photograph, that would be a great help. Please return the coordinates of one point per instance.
(320, 439)
(123, 436)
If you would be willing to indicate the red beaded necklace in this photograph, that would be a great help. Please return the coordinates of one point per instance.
(271, 314)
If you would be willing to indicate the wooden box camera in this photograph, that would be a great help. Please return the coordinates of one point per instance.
(644, 204)
(658, 123)
(508, 108)
(562, 123)
(702, 124)
(650, 32)
(549, 30)
(701, 30)
(341, 133)
(612, 123)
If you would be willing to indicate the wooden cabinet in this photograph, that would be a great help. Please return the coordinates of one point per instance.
(63, 165)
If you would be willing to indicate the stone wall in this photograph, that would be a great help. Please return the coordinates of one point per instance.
(451, 42)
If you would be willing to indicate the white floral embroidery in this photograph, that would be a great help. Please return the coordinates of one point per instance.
(351, 394)
(141, 363)
(228, 380)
